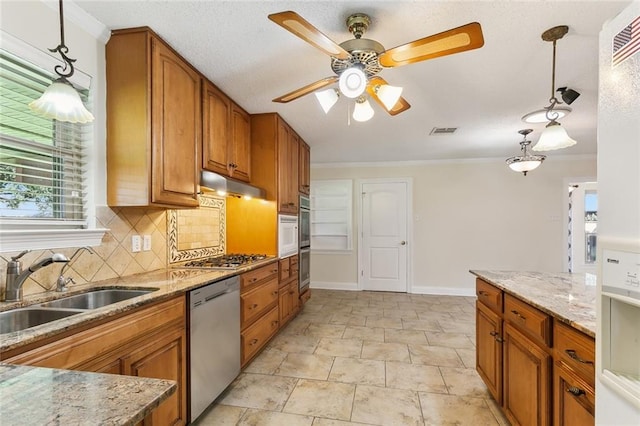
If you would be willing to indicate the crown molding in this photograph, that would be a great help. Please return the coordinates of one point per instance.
(82, 19)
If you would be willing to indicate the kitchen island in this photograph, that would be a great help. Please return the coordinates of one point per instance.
(39, 396)
(535, 345)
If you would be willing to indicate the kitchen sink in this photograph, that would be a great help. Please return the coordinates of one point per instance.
(21, 319)
(96, 298)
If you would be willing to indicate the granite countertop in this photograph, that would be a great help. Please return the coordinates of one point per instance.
(168, 282)
(46, 396)
(570, 298)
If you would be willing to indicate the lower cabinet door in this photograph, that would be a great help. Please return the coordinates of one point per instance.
(527, 380)
(574, 399)
(163, 356)
(489, 349)
(258, 334)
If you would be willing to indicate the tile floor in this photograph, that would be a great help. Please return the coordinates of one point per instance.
(365, 358)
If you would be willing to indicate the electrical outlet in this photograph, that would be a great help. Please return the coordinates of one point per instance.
(136, 243)
(146, 242)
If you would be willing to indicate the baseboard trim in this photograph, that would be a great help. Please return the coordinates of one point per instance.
(330, 285)
(443, 291)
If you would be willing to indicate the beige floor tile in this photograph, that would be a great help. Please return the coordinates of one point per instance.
(424, 325)
(405, 336)
(321, 399)
(424, 378)
(305, 366)
(434, 355)
(319, 421)
(379, 321)
(450, 340)
(385, 351)
(440, 410)
(468, 357)
(358, 371)
(259, 391)
(433, 316)
(295, 327)
(386, 305)
(272, 418)
(348, 319)
(384, 406)
(348, 348)
(464, 382)
(320, 317)
(400, 313)
(374, 334)
(497, 412)
(338, 309)
(294, 343)
(324, 330)
(457, 326)
(368, 311)
(220, 415)
(267, 362)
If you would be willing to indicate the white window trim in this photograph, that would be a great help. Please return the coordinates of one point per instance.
(38, 238)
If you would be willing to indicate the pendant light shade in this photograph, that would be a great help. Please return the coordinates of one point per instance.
(352, 82)
(327, 99)
(526, 162)
(362, 111)
(61, 102)
(389, 95)
(553, 137)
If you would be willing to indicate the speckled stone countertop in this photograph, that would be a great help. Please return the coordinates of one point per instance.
(45, 396)
(168, 282)
(570, 298)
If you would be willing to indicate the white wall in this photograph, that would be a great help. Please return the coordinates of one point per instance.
(467, 215)
(618, 178)
(37, 23)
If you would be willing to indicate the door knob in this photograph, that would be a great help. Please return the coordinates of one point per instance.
(403, 243)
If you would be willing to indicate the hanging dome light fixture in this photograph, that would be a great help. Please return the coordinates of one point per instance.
(526, 162)
(61, 101)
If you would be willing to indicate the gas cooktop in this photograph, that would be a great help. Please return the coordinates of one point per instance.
(226, 261)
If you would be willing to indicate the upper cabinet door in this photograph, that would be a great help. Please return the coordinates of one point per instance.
(304, 168)
(216, 129)
(240, 164)
(176, 128)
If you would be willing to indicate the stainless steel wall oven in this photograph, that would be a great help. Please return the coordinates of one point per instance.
(305, 243)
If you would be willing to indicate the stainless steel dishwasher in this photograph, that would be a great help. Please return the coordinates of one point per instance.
(214, 332)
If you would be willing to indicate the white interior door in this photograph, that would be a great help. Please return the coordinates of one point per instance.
(383, 242)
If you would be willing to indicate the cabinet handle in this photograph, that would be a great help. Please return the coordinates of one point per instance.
(253, 280)
(253, 342)
(483, 293)
(255, 305)
(575, 391)
(516, 313)
(573, 355)
(274, 323)
(274, 293)
(273, 271)
(495, 336)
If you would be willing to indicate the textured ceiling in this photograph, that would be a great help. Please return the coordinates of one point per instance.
(483, 92)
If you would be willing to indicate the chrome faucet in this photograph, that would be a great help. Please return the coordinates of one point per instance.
(16, 276)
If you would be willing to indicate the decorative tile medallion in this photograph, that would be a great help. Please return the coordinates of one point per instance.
(197, 233)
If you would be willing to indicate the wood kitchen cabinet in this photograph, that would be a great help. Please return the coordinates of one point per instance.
(259, 312)
(226, 135)
(288, 290)
(154, 122)
(304, 168)
(147, 342)
(489, 349)
(274, 160)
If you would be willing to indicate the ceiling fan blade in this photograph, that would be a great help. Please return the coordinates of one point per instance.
(466, 37)
(306, 90)
(297, 25)
(400, 106)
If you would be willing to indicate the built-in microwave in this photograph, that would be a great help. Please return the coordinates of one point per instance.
(305, 222)
(287, 235)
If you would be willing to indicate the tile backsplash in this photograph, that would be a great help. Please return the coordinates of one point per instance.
(113, 258)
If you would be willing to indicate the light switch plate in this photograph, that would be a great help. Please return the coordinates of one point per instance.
(146, 242)
(136, 243)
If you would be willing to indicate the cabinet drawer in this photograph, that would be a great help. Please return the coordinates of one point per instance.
(574, 399)
(285, 270)
(255, 302)
(256, 336)
(252, 278)
(489, 295)
(528, 319)
(576, 350)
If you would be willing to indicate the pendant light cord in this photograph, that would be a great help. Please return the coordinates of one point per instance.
(62, 49)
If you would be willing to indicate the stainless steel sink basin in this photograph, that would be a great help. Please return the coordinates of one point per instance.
(21, 319)
(96, 298)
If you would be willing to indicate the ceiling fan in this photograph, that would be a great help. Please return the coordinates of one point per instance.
(357, 62)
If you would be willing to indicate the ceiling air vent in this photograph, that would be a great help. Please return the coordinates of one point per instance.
(443, 130)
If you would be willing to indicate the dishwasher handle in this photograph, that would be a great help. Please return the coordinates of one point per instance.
(222, 293)
(208, 293)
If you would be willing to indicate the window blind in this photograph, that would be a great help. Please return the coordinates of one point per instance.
(42, 161)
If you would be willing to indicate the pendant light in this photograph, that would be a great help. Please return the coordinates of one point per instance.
(61, 101)
(526, 162)
(362, 111)
(554, 136)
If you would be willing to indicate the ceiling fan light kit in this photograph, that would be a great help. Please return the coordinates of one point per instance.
(327, 98)
(357, 62)
(526, 162)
